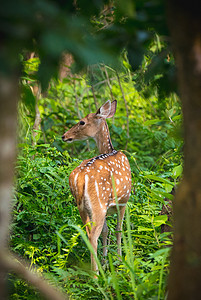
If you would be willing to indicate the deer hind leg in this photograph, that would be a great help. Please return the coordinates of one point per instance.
(120, 217)
(94, 234)
(85, 219)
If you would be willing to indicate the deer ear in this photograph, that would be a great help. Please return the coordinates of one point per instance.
(113, 109)
(107, 110)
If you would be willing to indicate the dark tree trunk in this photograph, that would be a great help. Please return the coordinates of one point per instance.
(185, 272)
(8, 124)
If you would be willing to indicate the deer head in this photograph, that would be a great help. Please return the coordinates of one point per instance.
(90, 125)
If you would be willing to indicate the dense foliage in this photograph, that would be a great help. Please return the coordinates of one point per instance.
(46, 225)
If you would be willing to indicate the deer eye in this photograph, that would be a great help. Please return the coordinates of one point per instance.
(82, 122)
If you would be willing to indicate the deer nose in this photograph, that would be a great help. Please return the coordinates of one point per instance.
(63, 137)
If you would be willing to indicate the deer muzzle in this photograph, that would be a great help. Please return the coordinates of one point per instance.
(66, 139)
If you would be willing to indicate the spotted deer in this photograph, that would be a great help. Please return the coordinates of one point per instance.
(91, 182)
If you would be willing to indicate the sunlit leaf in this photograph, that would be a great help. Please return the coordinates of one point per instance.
(177, 171)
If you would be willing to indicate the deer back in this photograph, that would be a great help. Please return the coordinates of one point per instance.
(92, 186)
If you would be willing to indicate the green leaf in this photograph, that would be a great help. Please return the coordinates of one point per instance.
(179, 117)
(159, 220)
(151, 122)
(177, 171)
(141, 228)
(36, 236)
(168, 188)
(160, 252)
(156, 178)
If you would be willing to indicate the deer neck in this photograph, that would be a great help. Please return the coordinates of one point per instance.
(103, 139)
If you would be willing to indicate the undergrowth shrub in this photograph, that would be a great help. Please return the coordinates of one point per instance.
(47, 230)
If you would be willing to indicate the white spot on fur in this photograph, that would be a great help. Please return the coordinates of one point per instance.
(97, 191)
(87, 197)
(75, 179)
(114, 204)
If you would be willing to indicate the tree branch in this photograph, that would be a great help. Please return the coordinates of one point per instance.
(126, 106)
(10, 263)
